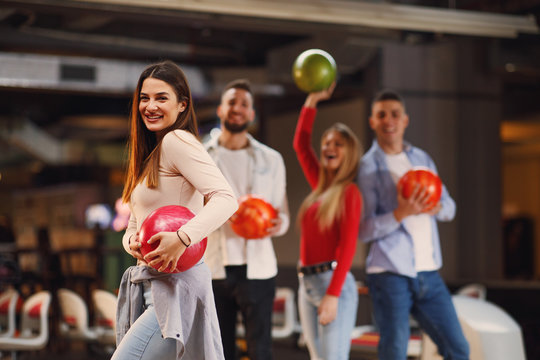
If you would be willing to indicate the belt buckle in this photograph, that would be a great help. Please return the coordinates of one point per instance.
(299, 271)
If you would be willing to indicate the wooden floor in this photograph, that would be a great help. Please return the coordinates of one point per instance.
(283, 350)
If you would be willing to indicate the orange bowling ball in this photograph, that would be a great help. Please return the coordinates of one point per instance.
(424, 177)
(170, 218)
(253, 217)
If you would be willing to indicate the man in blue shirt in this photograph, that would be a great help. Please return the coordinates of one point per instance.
(405, 254)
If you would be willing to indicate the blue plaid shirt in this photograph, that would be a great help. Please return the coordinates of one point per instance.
(392, 246)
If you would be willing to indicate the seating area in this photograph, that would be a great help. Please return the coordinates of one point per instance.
(33, 333)
(74, 317)
(93, 323)
(105, 317)
(27, 325)
(469, 300)
(9, 301)
(491, 332)
(284, 317)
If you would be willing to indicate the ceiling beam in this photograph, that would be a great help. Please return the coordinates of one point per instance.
(353, 13)
(34, 141)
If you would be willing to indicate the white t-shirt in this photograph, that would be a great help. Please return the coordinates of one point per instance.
(267, 180)
(235, 165)
(419, 226)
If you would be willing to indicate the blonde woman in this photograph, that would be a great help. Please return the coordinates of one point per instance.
(329, 218)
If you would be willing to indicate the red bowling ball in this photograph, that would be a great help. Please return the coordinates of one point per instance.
(170, 218)
(424, 177)
(253, 217)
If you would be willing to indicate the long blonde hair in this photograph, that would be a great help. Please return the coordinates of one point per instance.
(331, 194)
(143, 145)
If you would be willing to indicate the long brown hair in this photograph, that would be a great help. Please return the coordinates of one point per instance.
(331, 193)
(143, 144)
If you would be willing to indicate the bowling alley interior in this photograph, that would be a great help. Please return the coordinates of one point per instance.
(468, 70)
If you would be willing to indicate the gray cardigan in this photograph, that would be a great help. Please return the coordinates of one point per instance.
(184, 305)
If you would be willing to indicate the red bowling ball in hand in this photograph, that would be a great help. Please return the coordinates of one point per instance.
(170, 218)
(253, 217)
(424, 177)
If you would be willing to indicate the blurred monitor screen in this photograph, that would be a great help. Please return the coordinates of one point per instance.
(98, 215)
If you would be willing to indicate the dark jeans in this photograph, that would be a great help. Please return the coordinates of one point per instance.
(427, 299)
(255, 300)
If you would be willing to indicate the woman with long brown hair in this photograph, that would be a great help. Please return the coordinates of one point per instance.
(165, 315)
(329, 218)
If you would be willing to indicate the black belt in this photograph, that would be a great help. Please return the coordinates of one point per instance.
(317, 268)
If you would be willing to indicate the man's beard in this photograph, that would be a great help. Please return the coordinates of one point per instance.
(235, 128)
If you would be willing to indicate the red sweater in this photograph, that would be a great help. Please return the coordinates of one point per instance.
(337, 242)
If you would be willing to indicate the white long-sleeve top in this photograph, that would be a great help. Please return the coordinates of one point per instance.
(184, 301)
(187, 175)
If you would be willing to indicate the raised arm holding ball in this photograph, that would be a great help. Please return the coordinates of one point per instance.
(329, 218)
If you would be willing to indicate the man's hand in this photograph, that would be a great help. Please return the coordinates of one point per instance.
(414, 204)
(434, 210)
(276, 226)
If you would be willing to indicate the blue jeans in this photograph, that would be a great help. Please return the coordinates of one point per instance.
(427, 299)
(144, 341)
(331, 341)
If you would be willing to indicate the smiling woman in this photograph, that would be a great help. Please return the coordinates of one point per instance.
(169, 166)
(158, 105)
(329, 219)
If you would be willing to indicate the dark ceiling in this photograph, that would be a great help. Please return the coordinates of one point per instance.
(207, 41)
(121, 32)
(144, 34)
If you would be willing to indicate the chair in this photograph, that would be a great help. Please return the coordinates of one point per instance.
(473, 290)
(105, 309)
(429, 349)
(34, 330)
(492, 333)
(74, 321)
(8, 309)
(284, 319)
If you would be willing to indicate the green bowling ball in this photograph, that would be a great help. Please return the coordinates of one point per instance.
(314, 70)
